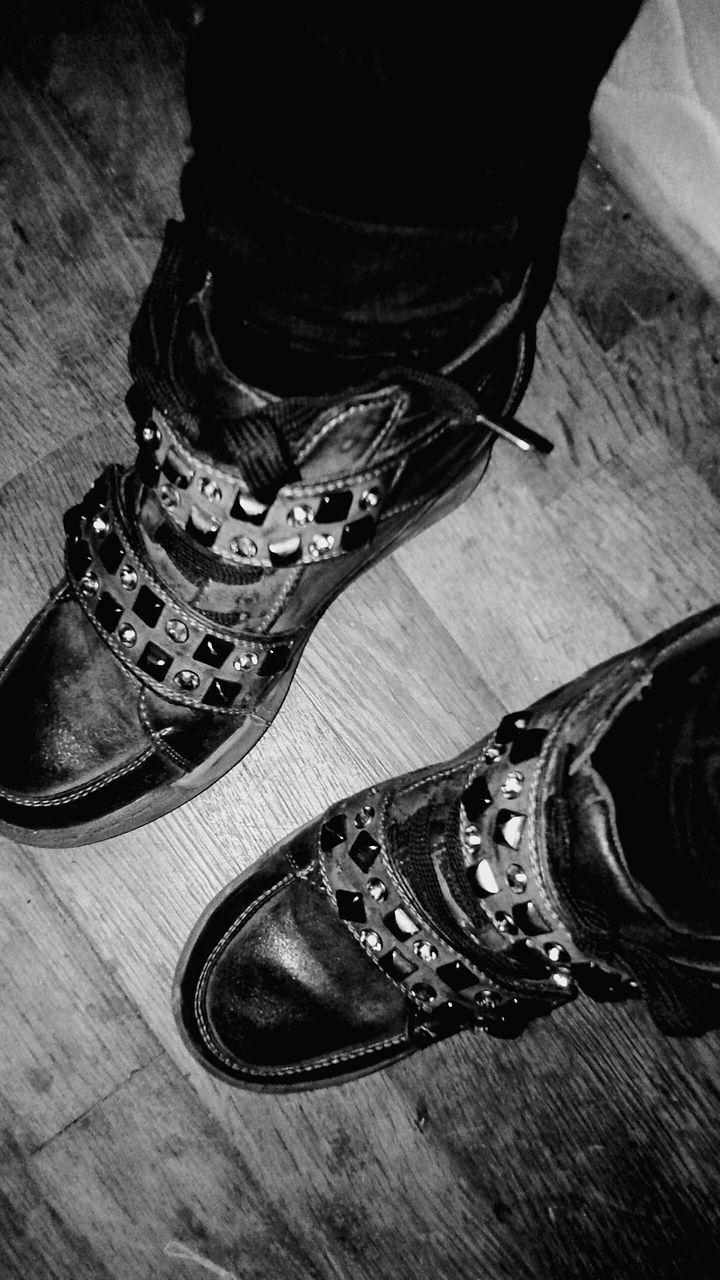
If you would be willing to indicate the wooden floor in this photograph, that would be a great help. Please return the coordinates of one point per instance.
(588, 1148)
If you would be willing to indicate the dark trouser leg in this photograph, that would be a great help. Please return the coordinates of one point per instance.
(367, 196)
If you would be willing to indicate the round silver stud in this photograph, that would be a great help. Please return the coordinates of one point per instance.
(89, 584)
(555, 953)
(486, 1000)
(128, 577)
(168, 496)
(177, 630)
(127, 635)
(246, 661)
(516, 877)
(504, 923)
(513, 784)
(424, 992)
(472, 836)
(425, 950)
(300, 515)
(491, 753)
(365, 816)
(187, 680)
(377, 889)
(561, 978)
(209, 489)
(369, 498)
(371, 940)
(321, 545)
(100, 524)
(243, 547)
(149, 434)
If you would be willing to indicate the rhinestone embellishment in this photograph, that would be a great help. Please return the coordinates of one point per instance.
(243, 547)
(561, 978)
(187, 680)
(371, 940)
(491, 753)
(127, 635)
(472, 835)
(426, 951)
(168, 496)
(555, 953)
(516, 878)
(377, 889)
(246, 662)
(100, 524)
(209, 489)
(300, 515)
(128, 577)
(321, 545)
(504, 923)
(365, 816)
(177, 630)
(513, 784)
(89, 584)
(369, 498)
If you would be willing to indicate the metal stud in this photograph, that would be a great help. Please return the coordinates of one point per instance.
(243, 547)
(128, 577)
(371, 940)
(516, 877)
(89, 584)
(425, 950)
(176, 629)
(424, 992)
(513, 784)
(187, 680)
(300, 515)
(321, 545)
(285, 550)
(369, 498)
(127, 635)
(377, 889)
(209, 489)
(149, 434)
(491, 753)
(365, 816)
(486, 1000)
(401, 924)
(168, 497)
(472, 836)
(246, 661)
(509, 828)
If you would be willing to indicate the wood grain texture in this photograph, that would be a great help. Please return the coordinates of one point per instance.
(588, 1148)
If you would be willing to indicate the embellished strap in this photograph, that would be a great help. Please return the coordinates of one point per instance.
(304, 524)
(168, 647)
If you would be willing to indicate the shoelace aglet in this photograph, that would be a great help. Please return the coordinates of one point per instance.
(522, 437)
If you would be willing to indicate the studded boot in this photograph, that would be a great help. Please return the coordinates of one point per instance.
(195, 578)
(558, 857)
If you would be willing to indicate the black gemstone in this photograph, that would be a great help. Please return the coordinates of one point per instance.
(176, 470)
(147, 467)
(201, 528)
(358, 533)
(79, 557)
(508, 828)
(334, 507)
(350, 906)
(333, 832)
(476, 799)
(222, 693)
(111, 553)
(248, 509)
(275, 660)
(155, 661)
(213, 651)
(396, 926)
(364, 851)
(108, 612)
(289, 551)
(527, 745)
(396, 965)
(456, 975)
(530, 919)
(148, 606)
(508, 728)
